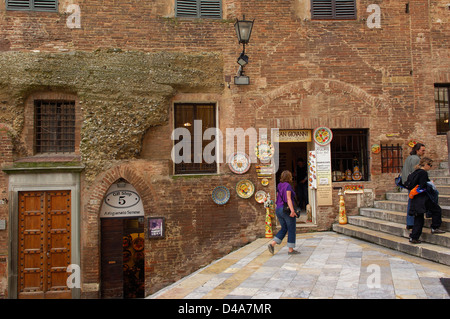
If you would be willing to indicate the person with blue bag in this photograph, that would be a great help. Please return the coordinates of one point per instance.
(423, 198)
(408, 167)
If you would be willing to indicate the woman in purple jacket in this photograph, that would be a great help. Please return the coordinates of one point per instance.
(285, 194)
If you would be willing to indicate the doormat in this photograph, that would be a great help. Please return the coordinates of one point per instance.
(446, 283)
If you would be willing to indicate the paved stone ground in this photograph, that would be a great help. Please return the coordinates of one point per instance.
(330, 266)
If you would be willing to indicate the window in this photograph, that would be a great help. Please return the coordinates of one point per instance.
(208, 9)
(185, 115)
(54, 124)
(441, 101)
(32, 5)
(333, 9)
(391, 158)
(348, 150)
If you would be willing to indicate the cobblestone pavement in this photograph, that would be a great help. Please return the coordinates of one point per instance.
(329, 266)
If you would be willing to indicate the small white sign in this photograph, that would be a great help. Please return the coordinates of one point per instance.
(122, 200)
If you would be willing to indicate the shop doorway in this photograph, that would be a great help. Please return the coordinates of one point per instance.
(291, 154)
(122, 258)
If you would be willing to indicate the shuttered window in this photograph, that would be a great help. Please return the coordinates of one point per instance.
(333, 9)
(207, 9)
(32, 5)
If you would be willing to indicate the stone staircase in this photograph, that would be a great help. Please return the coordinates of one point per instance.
(384, 224)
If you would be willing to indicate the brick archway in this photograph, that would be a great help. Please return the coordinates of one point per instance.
(90, 230)
(312, 88)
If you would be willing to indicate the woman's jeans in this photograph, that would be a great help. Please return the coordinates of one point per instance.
(288, 225)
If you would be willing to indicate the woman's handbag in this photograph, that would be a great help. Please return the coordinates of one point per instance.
(287, 210)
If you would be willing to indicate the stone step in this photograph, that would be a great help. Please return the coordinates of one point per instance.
(438, 173)
(398, 229)
(444, 200)
(398, 217)
(440, 180)
(424, 250)
(399, 206)
(443, 189)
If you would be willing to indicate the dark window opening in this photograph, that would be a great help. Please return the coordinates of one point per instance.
(185, 115)
(54, 123)
(391, 158)
(349, 155)
(442, 105)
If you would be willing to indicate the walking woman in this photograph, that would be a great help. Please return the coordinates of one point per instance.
(285, 194)
(422, 201)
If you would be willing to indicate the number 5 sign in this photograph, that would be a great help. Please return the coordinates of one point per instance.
(122, 200)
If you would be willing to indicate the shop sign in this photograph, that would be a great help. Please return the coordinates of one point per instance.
(323, 171)
(292, 136)
(122, 200)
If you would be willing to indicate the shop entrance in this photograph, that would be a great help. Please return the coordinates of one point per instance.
(122, 258)
(293, 156)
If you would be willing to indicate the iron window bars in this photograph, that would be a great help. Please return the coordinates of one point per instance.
(54, 124)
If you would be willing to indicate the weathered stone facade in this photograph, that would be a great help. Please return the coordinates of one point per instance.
(130, 62)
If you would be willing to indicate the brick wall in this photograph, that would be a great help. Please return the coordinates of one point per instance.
(303, 73)
(6, 158)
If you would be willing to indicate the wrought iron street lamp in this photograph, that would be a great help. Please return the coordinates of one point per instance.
(243, 31)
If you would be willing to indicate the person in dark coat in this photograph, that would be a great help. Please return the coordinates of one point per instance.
(422, 201)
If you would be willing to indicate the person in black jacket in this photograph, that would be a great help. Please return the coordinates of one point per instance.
(422, 202)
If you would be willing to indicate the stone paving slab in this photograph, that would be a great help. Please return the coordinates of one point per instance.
(330, 266)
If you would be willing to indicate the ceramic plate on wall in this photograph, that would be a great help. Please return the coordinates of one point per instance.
(245, 188)
(239, 163)
(322, 136)
(264, 150)
(260, 196)
(220, 195)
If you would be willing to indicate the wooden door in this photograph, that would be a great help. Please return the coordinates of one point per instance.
(44, 244)
(112, 258)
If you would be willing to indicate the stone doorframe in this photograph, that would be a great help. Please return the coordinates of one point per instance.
(26, 179)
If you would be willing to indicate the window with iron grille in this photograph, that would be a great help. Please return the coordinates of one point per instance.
(54, 124)
(348, 150)
(391, 158)
(185, 115)
(207, 9)
(32, 5)
(442, 104)
(333, 9)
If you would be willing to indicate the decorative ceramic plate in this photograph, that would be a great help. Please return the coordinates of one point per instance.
(264, 150)
(322, 135)
(376, 148)
(260, 196)
(265, 181)
(220, 195)
(245, 188)
(239, 163)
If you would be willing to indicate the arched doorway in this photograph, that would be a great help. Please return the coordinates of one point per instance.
(122, 243)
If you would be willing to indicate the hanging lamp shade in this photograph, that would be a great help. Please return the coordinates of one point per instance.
(243, 30)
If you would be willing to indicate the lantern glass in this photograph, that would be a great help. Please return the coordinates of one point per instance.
(243, 30)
